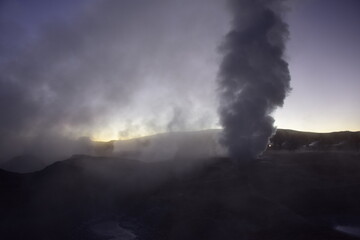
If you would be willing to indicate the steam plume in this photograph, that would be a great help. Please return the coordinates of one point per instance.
(90, 68)
(254, 77)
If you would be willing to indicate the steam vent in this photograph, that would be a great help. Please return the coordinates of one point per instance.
(179, 120)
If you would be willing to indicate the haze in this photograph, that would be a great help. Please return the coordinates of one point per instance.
(121, 69)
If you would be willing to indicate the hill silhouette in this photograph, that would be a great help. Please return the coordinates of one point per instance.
(190, 145)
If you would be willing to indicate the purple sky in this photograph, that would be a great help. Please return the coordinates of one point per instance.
(116, 69)
(324, 56)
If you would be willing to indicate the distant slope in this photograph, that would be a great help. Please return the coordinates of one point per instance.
(296, 140)
(172, 145)
(194, 145)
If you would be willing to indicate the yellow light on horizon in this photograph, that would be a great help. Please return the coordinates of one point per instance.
(107, 135)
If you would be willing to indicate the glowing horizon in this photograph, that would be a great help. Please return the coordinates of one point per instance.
(106, 136)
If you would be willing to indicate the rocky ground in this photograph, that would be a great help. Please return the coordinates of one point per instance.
(282, 195)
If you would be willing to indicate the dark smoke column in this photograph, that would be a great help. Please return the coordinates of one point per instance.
(254, 77)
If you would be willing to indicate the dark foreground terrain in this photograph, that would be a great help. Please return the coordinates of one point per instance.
(284, 195)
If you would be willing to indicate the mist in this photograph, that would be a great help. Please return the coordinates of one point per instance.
(254, 78)
(106, 69)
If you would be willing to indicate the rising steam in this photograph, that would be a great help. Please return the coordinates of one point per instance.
(104, 69)
(254, 77)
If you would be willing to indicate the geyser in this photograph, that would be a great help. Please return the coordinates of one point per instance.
(253, 77)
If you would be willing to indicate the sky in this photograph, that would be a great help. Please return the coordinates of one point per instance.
(324, 58)
(112, 69)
